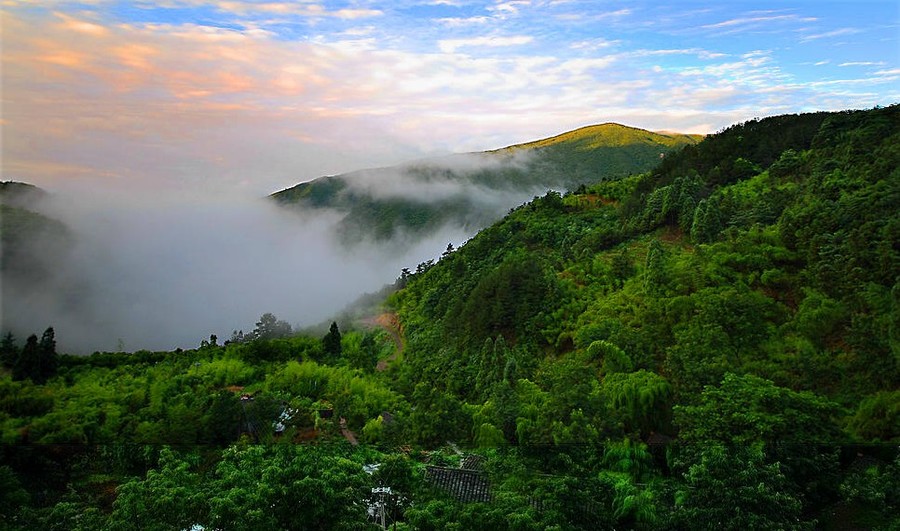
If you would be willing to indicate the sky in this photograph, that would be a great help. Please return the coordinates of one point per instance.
(249, 97)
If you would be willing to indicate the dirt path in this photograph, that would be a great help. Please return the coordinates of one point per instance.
(391, 323)
(349, 435)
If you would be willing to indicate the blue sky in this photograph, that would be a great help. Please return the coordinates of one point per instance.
(258, 95)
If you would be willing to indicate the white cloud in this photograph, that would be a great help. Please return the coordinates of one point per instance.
(456, 22)
(452, 45)
(828, 34)
(508, 8)
(862, 63)
(241, 7)
(594, 17)
(594, 44)
(756, 20)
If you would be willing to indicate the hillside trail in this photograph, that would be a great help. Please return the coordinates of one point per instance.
(345, 431)
(390, 323)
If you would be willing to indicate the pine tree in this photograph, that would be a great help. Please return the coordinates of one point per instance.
(26, 362)
(48, 359)
(655, 273)
(8, 350)
(331, 343)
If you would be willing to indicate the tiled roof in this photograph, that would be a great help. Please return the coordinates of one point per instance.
(464, 485)
(472, 462)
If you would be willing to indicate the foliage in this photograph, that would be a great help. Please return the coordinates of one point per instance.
(731, 487)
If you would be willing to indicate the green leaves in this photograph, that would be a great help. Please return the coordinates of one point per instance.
(731, 487)
(748, 409)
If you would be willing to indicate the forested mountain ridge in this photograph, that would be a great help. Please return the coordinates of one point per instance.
(472, 190)
(806, 224)
(710, 344)
(743, 292)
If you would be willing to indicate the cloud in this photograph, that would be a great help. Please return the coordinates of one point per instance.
(447, 178)
(755, 21)
(594, 44)
(756, 69)
(452, 45)
(594, 16)
(862, 63)
(302, 9)
(508, 8)
(829, 34)
(456, 22)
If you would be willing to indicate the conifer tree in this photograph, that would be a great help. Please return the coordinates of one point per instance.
(654, 274)
(8, 350)
(48, 359)
(26, 362)
(331, 343)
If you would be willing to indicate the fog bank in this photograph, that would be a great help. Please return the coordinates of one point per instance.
(150, 271)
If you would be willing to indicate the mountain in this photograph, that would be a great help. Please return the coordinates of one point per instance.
(21, 195)
(742, 295)
(474, 189)
(26, 233)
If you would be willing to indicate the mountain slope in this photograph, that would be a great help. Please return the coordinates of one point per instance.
(26, 235)
(472, 190)
(743, 294)
(783, 267)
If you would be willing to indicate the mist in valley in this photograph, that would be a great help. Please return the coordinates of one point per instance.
(157, 271)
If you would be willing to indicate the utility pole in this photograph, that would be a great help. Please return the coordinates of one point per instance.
(381, 491)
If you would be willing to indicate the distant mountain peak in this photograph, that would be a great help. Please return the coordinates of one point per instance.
(609, 134)
(474, 189)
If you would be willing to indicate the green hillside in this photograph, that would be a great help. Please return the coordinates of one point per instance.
(401, 199)
(711, 344)
(743, 294)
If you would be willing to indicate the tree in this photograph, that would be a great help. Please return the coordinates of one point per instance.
(621, 267)
(707, 222)
(733, 488)
(629, 471)
(612, 357)
(365, 356)
(8, 350)
(655, 276)
(170, 497)
(269, 327)
(448, 251)
(286, 487)
(639, 401)
(331, 343)
(747, 409)
(12, 496)
(797, 429)
(26, 363)
(48, 359)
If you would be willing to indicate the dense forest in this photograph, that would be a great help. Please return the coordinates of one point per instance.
(712, 344)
